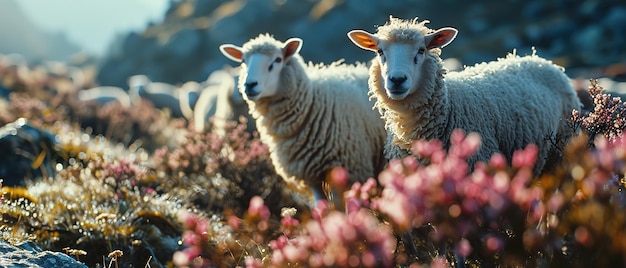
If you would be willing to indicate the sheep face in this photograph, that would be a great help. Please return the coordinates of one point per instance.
(263, 67)
(401, 58)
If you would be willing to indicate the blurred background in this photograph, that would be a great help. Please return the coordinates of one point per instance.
(176, 41)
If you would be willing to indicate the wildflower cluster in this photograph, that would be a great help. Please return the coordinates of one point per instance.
(470, 212)
(607, 118)
(244, 239)
(201, 152)
(140, 123)
(220, 172)
(337, 239)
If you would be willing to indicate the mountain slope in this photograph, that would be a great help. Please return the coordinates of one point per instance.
(20, 35)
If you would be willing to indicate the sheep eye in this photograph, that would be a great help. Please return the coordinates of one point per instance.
(421, 50)
(278, 60)
(380, 52)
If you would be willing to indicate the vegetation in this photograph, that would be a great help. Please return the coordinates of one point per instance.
(148, 191)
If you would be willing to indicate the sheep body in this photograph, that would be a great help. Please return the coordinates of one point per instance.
(319, 116)
(161, 95)
(511, 102)
(188, 95)
(105, 94)
(221, 100)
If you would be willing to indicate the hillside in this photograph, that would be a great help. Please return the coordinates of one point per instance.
(20, 35)
(183, 46)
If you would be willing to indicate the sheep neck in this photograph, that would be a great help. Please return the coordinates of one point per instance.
(418, 116)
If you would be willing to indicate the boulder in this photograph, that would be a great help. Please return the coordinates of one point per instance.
(28, 254)
(26, 153)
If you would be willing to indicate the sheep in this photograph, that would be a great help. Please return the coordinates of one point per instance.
(221, 100)
(188, 95)
(313, 117)
(511, 102)
(105, 94)
(162, 95)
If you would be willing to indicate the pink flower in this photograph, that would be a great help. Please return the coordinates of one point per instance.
(257, 208)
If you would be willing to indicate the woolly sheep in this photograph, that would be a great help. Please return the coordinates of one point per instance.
(312, 117)
(221, 100)
(511, 102)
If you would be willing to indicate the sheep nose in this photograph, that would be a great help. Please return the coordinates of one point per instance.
(397, 81)
(250, 86)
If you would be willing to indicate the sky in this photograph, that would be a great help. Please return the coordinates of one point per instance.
(93, 24)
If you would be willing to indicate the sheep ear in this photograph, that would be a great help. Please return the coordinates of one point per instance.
(363, 39)
(232, 52)
(292, 46)
(440, 38)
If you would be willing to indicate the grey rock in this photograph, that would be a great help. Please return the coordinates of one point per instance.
(28, 254)
(26, 153)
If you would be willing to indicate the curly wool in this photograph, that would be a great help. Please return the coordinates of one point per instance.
(511, 102)
(322, 119)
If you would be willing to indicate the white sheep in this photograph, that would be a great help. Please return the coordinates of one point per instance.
(511, 102)
(188, 95)
(220, 100)
(105, 94)
(312, 117)
(161, 95)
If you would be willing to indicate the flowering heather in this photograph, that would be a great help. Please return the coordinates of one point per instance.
(21, 105)
(221, 171)
(607, 118)
(338, 240)
(329, 239)
(206, 239)
(445, 213)
(140, 123)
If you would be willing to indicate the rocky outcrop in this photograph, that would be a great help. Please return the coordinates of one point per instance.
(27, 254)
(183, 47)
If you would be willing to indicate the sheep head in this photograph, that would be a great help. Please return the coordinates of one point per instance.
(262, 60)
(401, 48)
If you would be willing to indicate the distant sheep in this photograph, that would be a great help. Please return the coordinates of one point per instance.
(220, 100)
(161, 95)
(312, 117)
(511, 102)
(188, 95)
(105, 94)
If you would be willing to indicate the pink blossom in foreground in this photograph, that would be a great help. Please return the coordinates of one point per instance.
(338, 240)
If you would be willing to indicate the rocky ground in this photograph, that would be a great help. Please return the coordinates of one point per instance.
(28, 254)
